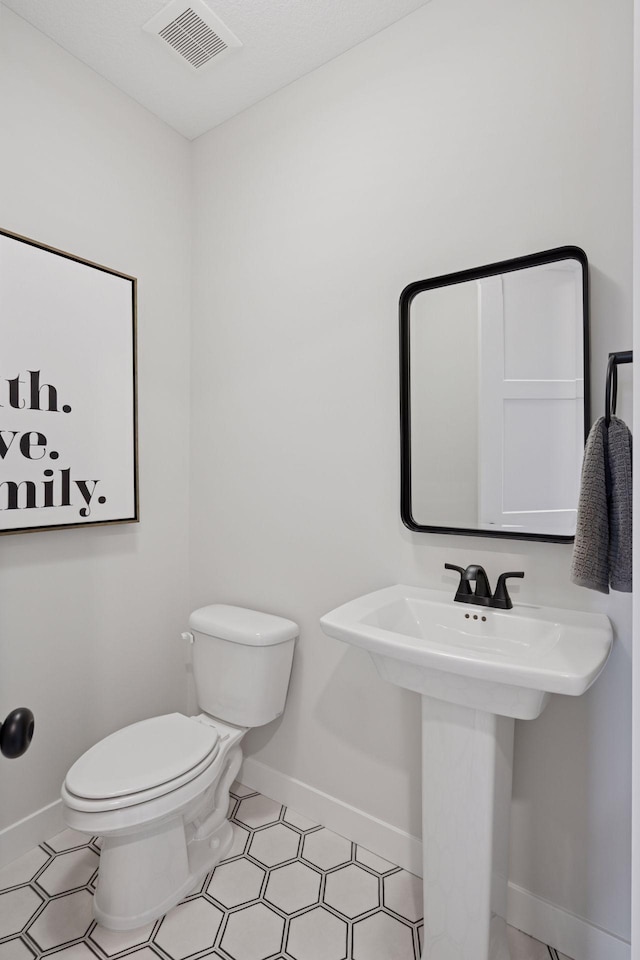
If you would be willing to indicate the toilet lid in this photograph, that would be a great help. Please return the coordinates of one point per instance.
(142, 756)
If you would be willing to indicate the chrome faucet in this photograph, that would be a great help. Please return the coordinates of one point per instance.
(482, 595)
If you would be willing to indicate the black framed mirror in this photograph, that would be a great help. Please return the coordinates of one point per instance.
(494, 397)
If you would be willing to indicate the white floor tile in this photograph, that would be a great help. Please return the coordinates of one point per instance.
(293, 887)
(352, 891)
(189, 928)
(22, 870)
(523, 947)
(64, 919)
(145, 953)
(16, 908)
(402, 893)
(275, 844)
(114, 941)
(239, 790)
(381, 937)
(253, 933)
(317, 935)
(258, 811)
(326, 849)
(374, 862)
(68, 839)
(80, 951)
(239, 881)
(69, 870)
(15, 950)
(297, 820)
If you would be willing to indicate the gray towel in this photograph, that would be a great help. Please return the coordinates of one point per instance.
(602, 548)
(620, 487)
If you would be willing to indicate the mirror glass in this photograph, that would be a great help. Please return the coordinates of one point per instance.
(493, 400)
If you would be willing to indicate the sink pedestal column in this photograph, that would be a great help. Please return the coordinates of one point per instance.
(467, 761)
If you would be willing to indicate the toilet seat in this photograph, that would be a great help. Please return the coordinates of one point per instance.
(119, 816)
(141, 762)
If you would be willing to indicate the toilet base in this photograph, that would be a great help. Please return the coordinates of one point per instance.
(144, 874)
(142, 877)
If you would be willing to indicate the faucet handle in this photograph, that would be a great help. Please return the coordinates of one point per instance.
(464, 587)
(501, 598)
(479, 575)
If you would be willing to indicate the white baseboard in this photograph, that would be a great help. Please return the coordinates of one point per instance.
(20, 837)
(571, 935)
(382, 838)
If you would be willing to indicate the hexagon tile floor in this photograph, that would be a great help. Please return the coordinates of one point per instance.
(289, 890)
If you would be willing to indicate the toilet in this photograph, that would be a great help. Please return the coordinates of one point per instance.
(157, 792)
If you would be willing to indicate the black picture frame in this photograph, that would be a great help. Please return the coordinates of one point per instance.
(125, 317)
(462, 276)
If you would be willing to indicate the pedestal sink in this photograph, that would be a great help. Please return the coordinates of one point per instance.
(477, 670)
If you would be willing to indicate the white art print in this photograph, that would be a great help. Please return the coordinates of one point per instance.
(67, 390)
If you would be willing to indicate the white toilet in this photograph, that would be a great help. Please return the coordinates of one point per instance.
(157, 792)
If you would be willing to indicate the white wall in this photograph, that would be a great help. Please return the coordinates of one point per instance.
(467, 133)
(88, 618)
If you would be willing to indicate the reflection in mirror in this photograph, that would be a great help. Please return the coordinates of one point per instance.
(493, 400)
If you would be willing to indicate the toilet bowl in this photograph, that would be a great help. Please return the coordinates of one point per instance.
(157, 791)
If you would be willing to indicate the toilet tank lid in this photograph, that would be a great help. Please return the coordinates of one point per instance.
(239, 625)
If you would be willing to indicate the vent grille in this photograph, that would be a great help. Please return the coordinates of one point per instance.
(191, 31)
(193, 39)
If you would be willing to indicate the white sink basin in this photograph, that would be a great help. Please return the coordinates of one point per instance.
(506, 662)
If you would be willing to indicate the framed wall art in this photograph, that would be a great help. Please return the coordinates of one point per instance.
(68, 424)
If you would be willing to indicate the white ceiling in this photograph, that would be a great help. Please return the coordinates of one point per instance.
(282, 40)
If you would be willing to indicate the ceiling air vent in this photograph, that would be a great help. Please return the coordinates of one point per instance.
(192, 32)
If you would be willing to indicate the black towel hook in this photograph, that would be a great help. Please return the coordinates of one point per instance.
(611, 389)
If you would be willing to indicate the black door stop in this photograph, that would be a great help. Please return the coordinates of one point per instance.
(16, 733)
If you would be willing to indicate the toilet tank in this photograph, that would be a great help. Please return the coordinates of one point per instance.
(241, 663)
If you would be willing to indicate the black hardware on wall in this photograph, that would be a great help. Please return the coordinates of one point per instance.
(16, 733)
(611, 391)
